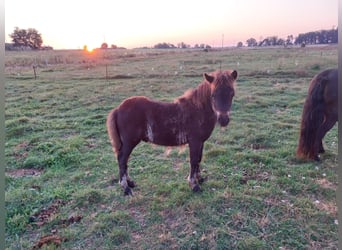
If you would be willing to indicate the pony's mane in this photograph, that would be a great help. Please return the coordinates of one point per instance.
(198, 96)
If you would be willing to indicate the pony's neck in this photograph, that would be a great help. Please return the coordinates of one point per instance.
(199, 97)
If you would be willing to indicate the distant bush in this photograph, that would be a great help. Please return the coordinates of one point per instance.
(164, 46)
(12, 47)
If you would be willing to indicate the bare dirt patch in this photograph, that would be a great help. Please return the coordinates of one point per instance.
(17, 173)
(326, 184)
(45, 216)
(47, 240)
(329, 207)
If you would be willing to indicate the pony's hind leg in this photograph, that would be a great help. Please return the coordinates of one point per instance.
(125, 181)
(323, 129)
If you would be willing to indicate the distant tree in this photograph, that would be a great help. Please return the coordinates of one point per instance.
(264, 42)
(113, 46)
(281, 42)
(273, 40)
(239, 44)
(26, 38)
(333, 35)
(164, 46)
(301, 39)
(35, 39)
(202, 46)
(318, 37)
(251, 42)
(104, 46)
(19, 37)
(183, 45)
(289, 40)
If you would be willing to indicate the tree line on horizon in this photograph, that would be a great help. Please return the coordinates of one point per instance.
(31, 39)
(309, 38)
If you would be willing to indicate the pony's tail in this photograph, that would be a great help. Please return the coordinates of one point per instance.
(312, 118)
(113, 132)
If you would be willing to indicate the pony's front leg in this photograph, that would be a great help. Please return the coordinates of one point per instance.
(198, 175)
(195, 178)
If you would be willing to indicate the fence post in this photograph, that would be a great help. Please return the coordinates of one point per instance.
(34, 71)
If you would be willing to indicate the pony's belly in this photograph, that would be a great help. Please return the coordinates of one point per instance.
(166, 136)
(168, 143)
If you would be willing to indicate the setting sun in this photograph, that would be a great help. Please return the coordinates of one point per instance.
(88, 49)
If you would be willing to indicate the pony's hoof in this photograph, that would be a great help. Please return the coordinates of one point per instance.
(317, 158)
(128, 191)
(196, 189)
(130, 183)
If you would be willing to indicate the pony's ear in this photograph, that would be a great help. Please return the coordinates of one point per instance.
(209, 78)
(234, 74)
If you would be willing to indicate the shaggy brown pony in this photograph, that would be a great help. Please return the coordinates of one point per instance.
(188, 120)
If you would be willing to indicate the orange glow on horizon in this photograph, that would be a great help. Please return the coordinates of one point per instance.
(88, 49)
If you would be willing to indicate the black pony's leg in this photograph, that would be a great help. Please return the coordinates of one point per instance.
(125, 181)
(322, 130)
(195, 158)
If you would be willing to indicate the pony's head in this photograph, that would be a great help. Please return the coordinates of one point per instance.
(222, 93)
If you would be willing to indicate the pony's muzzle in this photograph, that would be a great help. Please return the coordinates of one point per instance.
(223, 118)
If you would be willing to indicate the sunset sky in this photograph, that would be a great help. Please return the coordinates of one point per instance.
(67, 24)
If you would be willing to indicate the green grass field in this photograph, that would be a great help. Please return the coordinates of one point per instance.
(62, 188)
